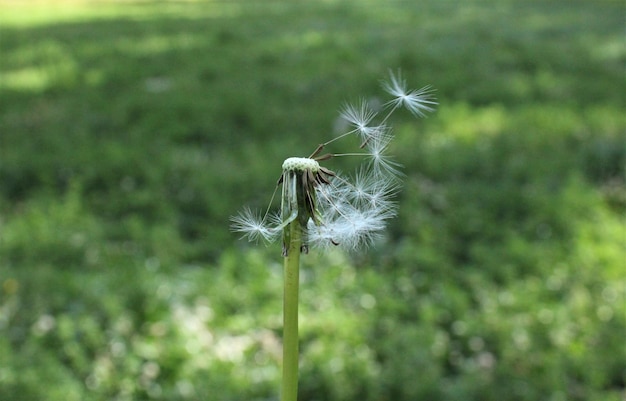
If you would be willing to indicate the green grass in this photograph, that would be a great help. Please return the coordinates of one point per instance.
(131, 131)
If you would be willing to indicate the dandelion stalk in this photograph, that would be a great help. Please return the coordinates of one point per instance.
(320, 208)
(289, 389)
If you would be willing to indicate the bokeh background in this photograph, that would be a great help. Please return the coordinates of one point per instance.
(131, 130)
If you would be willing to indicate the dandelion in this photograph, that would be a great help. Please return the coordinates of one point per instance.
(321, 208)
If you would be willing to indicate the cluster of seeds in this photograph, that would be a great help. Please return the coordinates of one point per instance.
(332, 209)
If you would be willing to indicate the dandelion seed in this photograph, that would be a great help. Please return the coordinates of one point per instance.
(373, 192)
(418, 102)
(360, 116)
(382, 163)
(253, 226)
(351, 229)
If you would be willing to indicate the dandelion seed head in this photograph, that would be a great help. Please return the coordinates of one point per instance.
(332, 209)
(301, 164)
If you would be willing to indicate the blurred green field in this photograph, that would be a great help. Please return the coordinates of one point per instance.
(131, 131)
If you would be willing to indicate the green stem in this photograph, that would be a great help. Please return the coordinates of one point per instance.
(289, 389)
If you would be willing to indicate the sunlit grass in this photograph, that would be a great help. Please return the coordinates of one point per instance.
(39, 13)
